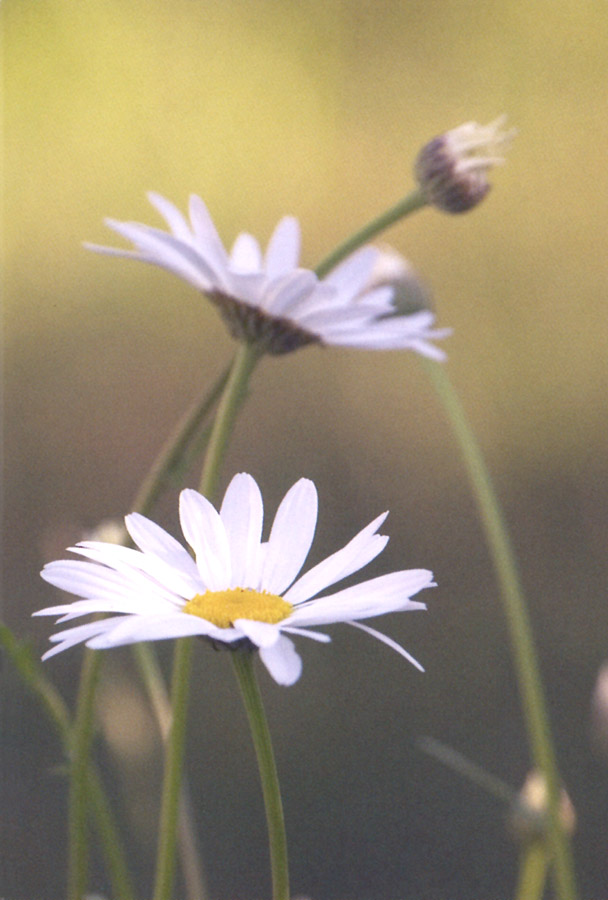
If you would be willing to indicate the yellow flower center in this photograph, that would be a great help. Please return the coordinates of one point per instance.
(223, 607)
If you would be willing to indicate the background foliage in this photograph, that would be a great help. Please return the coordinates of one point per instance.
(317, 108)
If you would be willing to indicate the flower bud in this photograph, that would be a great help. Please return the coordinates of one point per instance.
(529, 813)
(599, 713)
(393, 270)
(452, 168)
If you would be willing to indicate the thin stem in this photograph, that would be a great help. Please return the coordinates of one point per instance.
(168, 461)
(171, 456)
(520, 630)
(234, 391)
(533, 865)
(174, 756)
(31, 672)
(407, 205)
(82, 737)
(252, 699)
(194, 876)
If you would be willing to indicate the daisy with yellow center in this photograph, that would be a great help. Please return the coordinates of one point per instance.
(236, 589)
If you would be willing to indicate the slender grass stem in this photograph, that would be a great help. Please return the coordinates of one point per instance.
(82, 737)
(520, 630)
(252, 699)
(55, 708)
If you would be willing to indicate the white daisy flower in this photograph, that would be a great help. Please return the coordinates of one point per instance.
(237, 590)
(268, 298)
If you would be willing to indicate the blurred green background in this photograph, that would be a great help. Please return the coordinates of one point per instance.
(316, 109)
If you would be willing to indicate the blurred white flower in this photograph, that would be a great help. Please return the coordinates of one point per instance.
(267, 298)
(238, 590)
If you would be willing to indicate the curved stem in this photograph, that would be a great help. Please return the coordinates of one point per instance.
(520, 630)
(234, 391)
(250, 692)
(30, 670)
(407, 205)
(82, 737)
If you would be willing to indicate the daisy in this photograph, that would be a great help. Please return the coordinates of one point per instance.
(268, 298)
(237, 591)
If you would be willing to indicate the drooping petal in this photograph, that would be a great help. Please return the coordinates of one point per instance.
(389, 643)
(262, 634)
(282, 661)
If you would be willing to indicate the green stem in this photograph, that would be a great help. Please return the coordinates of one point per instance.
(172, 454)
(82, 737)
(533, 865)
(407, 205)
(194, 876)
(520, 630)
(174, 755)
(169, 459)
(250, 691)
(234, 391)
(31, 672)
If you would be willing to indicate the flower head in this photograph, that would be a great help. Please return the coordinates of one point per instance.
(237, 590)
(452, 168)
(267, 298)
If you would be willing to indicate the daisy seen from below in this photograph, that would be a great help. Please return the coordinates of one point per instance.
(238, 590)
(268, 298)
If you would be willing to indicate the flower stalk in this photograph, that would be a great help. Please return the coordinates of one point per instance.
(409, 204)
(252, 699)
(233, 394)
(520, 630)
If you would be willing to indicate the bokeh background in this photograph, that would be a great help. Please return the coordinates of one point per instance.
(316, 108)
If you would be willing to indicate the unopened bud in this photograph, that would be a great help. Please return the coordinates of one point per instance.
(599, 712)
(529, 813)
(393, 270)
(452, 168)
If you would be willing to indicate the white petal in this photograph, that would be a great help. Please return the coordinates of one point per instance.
(208, 240)
(353, 274)
(282, 661)
(173, 217)
(205, 532)
(389, 643)
(359, 551)
(124, 560)
(283, 249)
(91, 580)
(291, 536)
(262, 634)
(242, 513)
(151, 538)
(387, 593)
(246, 255)
(132, 629)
